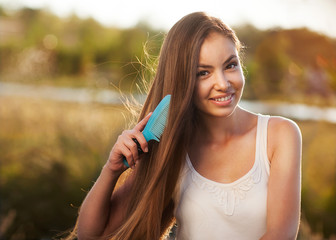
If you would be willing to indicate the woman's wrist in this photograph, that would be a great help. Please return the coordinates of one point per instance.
(109, 169)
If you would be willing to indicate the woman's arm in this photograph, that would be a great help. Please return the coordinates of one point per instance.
(284, 187)
(103, 209)
(94, 215)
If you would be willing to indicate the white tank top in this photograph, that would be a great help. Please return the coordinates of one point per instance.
(234, 211)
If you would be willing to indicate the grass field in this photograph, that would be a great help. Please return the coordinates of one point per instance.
(52, 151)
(50, 154)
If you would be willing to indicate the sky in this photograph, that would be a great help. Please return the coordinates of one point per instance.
(317, 15)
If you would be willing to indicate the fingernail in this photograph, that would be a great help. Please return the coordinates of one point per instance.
(146, 149)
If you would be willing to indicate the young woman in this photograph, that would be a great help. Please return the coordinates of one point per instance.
(221, 171)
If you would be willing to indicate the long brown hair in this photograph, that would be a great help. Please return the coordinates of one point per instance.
(151, 209)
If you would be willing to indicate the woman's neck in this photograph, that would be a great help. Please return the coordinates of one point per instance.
(220, 129)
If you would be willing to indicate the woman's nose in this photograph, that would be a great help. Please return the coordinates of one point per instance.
(221, 82)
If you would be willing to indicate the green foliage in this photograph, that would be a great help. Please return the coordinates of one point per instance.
(272, 65)
(72, 47)
(293, 65)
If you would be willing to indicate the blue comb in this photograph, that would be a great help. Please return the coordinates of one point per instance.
(155, 125)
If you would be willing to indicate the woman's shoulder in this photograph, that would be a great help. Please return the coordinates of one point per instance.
(283, 126)
(277, 125)
(283, 134)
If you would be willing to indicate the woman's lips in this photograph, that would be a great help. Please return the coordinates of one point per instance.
(222, 100)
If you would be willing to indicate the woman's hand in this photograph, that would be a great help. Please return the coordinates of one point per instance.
(104, 208)
(125, 146)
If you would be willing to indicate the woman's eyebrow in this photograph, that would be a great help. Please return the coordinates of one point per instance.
(226, 61)
(204, 66)
(230, 58)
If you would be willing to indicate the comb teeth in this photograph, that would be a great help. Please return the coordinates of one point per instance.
(157, 121)
(159, 124)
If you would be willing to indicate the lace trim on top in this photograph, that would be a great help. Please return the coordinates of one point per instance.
(228, 195)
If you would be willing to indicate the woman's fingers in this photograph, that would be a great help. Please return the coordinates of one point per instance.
(138, 136)
(127, 146)
(141, 125)
(128, 156)
(142, 141)
(133, 155)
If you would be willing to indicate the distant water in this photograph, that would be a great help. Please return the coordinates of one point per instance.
(85, 95)
(291, 110)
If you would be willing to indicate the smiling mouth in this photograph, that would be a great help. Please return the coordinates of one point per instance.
(222, 99)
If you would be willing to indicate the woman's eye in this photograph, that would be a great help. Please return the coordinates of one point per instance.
(232, 65)
(202, 73)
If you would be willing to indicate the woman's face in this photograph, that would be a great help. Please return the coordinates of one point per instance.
(220, 79)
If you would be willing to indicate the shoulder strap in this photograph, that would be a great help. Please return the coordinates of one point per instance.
(262, 135)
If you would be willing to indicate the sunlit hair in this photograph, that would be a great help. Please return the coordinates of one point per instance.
(150, 211)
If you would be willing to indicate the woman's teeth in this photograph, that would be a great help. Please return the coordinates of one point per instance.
(222, 99)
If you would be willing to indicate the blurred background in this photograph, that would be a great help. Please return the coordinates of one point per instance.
(67, 66)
